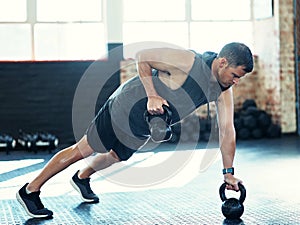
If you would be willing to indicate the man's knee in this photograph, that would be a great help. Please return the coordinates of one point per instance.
(122, 155)
(82, 149)
(115, 158)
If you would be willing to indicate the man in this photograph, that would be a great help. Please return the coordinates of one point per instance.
(179, 79)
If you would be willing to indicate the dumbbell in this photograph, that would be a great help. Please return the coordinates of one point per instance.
(47, 139)
(28, 141)
(7, 142)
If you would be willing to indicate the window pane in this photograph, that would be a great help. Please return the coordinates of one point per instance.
(69, 10)
(154, 10)
(262, 9)
(69, 41)
(221, 10)
(212, 36)
(13, 10)
(173, 33)
(15, 42)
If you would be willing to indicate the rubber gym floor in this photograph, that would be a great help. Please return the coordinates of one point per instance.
(188, 194)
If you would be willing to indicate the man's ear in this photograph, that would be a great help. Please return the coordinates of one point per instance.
(223, 62)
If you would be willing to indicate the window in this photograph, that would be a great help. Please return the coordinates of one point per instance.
(69, 30)
(213, 36)
(154, 10)
(15, 36)
(52, 30)
(197, 24)
(263, 9)
(15, 41)
(75, 29)
(228, 10)
(69, 41)
(155, 31)
(13, 11)
(69, 10)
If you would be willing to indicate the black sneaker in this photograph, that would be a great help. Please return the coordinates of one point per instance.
(84, 188)
(32, 203)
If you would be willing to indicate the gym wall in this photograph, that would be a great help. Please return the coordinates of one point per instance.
(274, 45)
(38, 96)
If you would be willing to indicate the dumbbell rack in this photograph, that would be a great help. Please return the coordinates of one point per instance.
(38, 140)
(29, 141)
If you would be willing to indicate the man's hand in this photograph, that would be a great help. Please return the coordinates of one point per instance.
(232, 182)
(155, 103)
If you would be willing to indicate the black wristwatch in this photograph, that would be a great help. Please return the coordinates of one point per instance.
(228, 170)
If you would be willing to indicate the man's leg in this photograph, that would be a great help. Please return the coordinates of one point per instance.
(81, 179)
(99, 162)
(28, 195)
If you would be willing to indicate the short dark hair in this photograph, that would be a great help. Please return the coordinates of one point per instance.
(238, 54)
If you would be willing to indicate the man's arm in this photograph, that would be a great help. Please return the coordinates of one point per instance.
(227, 136)
(163, 59)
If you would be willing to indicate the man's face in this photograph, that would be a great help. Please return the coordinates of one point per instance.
(229, 75)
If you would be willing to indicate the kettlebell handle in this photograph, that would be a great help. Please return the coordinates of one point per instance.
(242, 190)
(167, 112)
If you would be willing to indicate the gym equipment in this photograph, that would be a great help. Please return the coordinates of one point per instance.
(232, 208)
(264, 120)
(257, 133)
(159, 125)
(238, 123)
(176, 128)
(247, 103)
(176, 131)
(7, 142)
(253, 111)
(28, 140)
(175, 138)
(244, 133)
(38, 140)
(249, 122)
(46, 139)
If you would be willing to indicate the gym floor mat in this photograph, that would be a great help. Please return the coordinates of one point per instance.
(268, 167)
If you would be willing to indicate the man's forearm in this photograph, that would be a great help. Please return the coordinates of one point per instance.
(145, 72)
(227, 146)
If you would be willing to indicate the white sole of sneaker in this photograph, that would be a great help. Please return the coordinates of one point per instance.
(26, 209)
(78, 190)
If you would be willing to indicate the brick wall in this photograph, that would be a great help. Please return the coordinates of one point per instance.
(247, 87)
(287, 66)
(298, 52)
(274, 45)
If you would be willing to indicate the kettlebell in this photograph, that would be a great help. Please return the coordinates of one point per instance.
(232, 208)
(160, 125)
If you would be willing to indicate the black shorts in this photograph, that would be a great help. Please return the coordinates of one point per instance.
(101, 134)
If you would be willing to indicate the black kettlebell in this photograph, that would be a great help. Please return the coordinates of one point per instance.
(159, 125)
(232, 208)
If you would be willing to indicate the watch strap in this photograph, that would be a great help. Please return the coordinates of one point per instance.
(228, 170)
